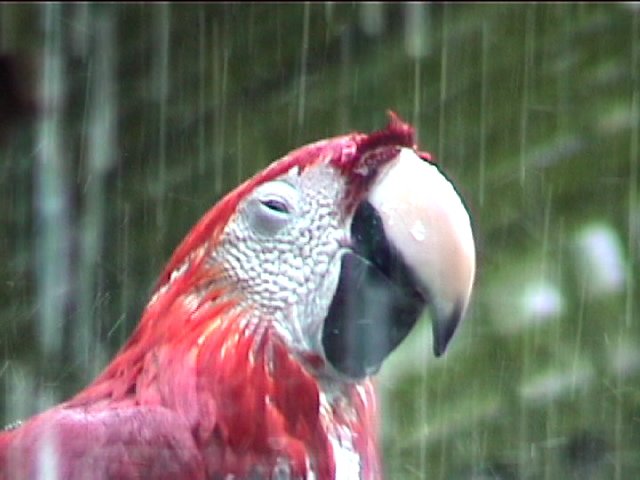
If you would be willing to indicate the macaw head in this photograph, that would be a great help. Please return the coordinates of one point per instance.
(339, 247)
(284, 298)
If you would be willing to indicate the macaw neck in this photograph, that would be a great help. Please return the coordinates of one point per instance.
(273, 412)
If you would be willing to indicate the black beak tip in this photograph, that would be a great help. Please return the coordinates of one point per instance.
(444, 328)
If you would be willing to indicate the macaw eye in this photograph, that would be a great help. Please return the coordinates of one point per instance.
(276, 205)
(272, 207)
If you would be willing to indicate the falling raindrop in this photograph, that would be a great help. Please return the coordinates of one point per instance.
(161, 87)
(304, 52)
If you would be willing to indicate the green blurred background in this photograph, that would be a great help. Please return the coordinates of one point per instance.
(148, 114)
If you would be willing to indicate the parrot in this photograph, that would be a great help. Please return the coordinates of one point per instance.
(256, 355)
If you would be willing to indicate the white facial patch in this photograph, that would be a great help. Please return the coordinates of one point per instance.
(282, 250)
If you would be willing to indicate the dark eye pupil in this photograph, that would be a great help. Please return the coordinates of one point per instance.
(276, 205)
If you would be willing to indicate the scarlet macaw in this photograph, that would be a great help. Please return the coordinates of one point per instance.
(253, 358)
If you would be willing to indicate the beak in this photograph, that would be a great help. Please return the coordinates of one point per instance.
(411, 250)
(424, 218)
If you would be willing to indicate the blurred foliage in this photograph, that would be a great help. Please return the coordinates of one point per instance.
(532, 109)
